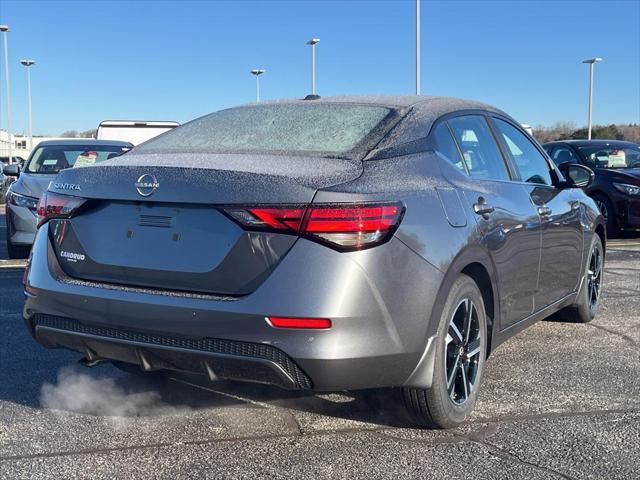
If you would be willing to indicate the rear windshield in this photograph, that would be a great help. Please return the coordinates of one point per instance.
(328, 129)
(53, 158)
(609, 156)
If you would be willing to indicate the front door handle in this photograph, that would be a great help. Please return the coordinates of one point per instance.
(544, 211)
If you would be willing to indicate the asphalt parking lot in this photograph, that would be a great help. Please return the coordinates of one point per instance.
(558, 401)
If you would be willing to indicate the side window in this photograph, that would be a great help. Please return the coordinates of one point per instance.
(480, 151)
(531, 163)
(564, 155)
(446, 145)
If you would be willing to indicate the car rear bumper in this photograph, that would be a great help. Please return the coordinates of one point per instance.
(379, 302)
(21, 223)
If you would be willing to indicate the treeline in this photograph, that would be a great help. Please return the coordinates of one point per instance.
(569, 130)
(76, 134)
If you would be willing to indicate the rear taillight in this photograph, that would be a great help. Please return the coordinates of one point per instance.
(340, 226)
(53, 205)
(269, 218)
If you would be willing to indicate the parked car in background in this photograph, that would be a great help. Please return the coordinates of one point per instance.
(4, 186)
(16, 159)
(616, 189)
(5, 180)
(328, 244)
(45, 162)
(131, 131)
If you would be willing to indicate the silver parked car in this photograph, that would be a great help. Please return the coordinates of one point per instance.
(325, 244)
(46, 161)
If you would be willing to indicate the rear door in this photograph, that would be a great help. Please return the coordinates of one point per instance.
(559, 211)
(507, 220)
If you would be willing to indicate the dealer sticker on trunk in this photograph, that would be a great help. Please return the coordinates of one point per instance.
(72, 256)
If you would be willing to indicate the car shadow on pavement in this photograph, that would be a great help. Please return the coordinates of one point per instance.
(375, 406)
(57, 382)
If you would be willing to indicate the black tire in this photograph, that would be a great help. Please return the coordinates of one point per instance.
(15, 252)
(442, 405)
(606, 208)
(588, 300)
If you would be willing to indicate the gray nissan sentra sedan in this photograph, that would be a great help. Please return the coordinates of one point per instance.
(327, 244)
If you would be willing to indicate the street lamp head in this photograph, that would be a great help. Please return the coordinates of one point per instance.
(592, 60)
(4, 28)
(28, 63)
(313, 41)
(257, 71)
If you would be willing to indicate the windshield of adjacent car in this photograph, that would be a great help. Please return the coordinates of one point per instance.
(610, 156)
(51, 159)
(319, 128)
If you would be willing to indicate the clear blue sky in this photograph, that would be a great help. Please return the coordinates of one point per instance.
(181, 59)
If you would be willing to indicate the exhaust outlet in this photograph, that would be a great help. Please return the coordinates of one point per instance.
(89, 363)
(91, 359)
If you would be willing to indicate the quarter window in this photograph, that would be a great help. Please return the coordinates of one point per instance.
(446, 145)
(530, 162)
(479, 149)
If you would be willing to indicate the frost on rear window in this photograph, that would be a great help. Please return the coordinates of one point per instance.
(315, 128)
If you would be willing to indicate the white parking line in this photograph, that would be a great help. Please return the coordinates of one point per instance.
(13, 263)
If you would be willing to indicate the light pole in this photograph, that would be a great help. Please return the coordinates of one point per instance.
(28, 63)
(4, 29)
(257, 72)
(313, 42)
(417, 47)
(591, 62)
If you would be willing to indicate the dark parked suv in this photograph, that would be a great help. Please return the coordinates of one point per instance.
(334, 244)
(616, 188)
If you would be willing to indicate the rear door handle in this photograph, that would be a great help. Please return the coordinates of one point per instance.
(544, 211)
(483, 209)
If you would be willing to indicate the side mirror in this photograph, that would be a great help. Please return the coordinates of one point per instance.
(576, 175)
(12, 170)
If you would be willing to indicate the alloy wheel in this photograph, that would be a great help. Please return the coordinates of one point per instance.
(462, 352)
(594, 277)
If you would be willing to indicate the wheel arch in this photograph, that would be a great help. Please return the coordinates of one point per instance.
(476, 263)
(601, 231)
(480, 275)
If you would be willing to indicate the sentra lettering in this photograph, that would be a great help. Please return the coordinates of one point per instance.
(66, 186)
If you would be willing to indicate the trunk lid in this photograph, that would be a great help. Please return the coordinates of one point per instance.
(175, 237)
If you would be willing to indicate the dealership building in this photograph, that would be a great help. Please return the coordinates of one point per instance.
(19, 144)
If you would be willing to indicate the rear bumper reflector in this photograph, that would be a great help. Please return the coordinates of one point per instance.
(292, 322)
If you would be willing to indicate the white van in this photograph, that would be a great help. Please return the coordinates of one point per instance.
(527, 128)
(132, 131)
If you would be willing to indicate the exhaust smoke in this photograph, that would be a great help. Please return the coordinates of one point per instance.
(102, 396)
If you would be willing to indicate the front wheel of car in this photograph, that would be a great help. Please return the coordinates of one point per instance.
(587, 302)
(461, 351)
(606, 209)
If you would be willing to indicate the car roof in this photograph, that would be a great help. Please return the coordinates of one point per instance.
(586, 143)
(84, 141)
(422, 102)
